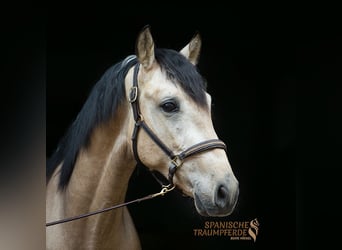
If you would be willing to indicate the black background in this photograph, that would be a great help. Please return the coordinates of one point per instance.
(260, 65)
(274, 71)
(249, 68)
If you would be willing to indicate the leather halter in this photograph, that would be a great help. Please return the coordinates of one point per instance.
(176, 160)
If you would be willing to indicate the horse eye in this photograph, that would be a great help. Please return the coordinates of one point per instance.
(169, 106)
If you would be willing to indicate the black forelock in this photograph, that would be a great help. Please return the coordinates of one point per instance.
(180, 69)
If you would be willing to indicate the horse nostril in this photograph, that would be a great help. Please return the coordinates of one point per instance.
(221, 198)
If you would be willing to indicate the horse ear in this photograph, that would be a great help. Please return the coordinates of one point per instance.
(192, 49)
(145, 48)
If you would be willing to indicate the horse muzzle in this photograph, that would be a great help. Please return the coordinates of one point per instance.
(220, 201)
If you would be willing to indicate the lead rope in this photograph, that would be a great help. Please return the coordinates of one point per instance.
(164, 190)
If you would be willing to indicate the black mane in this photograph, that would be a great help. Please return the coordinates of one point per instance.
(105, 98)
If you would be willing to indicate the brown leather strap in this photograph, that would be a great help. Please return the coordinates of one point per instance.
(177, 161)
(203, 146)
(139, 121)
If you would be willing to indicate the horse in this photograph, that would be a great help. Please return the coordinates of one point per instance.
(150, 108)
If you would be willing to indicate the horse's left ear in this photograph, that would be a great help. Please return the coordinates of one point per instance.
(192, 49)
(145, 48)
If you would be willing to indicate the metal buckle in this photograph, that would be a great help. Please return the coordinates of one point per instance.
(177, 161)
(133, 94)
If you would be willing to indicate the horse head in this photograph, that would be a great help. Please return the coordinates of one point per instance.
(176, 109)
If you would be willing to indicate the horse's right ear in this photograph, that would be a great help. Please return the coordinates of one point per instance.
(145, 48)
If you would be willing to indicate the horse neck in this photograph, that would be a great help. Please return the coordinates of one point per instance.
(103, 169)
(99, 180)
